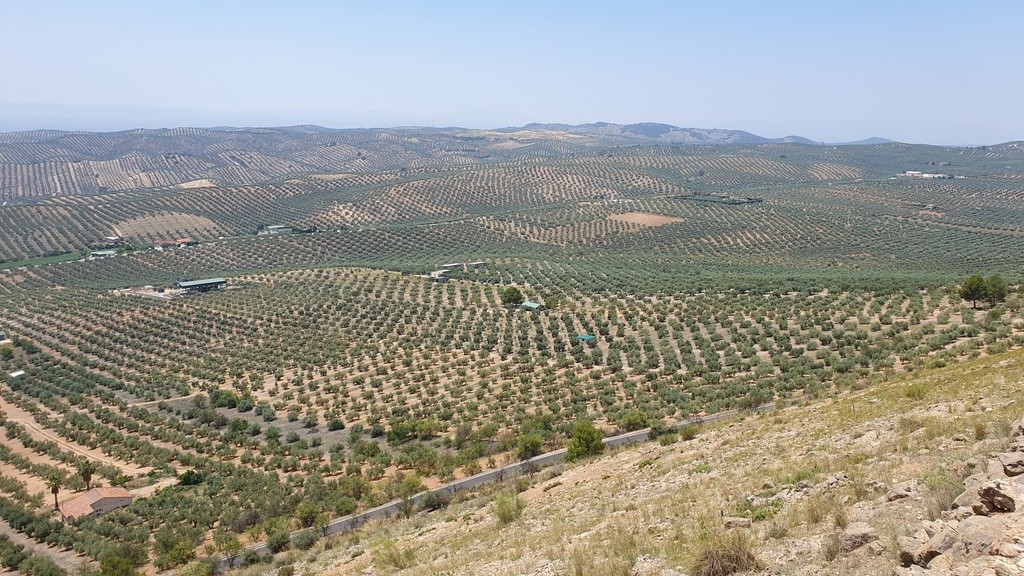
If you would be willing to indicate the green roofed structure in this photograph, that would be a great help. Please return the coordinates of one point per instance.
(531, 305)
(196, 286)
(587, 338)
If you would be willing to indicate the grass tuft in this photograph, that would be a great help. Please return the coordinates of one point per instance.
(725, 553)
(916, 391)
(508, 508)
(390, 554)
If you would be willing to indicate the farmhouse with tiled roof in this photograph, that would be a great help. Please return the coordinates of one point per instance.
(96, 501)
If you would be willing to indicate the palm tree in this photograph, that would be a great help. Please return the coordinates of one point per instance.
(54, 483)
(86, 469)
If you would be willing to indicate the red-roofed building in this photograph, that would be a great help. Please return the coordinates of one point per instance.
(96, 501)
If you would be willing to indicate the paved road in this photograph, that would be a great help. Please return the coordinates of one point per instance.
(348, 523)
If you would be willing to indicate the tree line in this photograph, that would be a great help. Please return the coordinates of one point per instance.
(979, 289)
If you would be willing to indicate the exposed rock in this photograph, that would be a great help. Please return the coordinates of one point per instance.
(833, 481)
(1007, 550)
(898, 494)
(878, 486)
(972, 484)
(993, 498)
(736, 522)
(1001, 568)
(947, 539)
(956, 514)
(978, 535)
(982, 534)
(932, 527)
(907, 549)
(856, 535)
(987, 566)
(1017, 430)
(1013, 463)
(942, 565)
(974, 464)
(995, 468)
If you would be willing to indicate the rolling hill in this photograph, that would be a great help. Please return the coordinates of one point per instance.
(53, 163)
(364, 345)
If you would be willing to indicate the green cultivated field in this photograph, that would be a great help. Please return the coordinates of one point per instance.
(331, 376)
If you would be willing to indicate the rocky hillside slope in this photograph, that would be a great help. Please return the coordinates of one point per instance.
(868, 481)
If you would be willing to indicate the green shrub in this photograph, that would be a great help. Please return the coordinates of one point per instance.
(915, 391)
(668, 438)
(196, 568)
(635, 420)
(530, 445)
(253, 557)
(37, 565)
(689, 432)
(305, 539)
(343, 506)
(586, 441)
(436, 500)
(278, 541)
(765, 512)
(508, 507)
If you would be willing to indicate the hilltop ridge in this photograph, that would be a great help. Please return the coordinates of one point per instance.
(43, 163)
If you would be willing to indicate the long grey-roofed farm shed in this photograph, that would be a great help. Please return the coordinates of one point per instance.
(193, 286)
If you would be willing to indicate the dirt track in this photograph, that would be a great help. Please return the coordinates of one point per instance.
(37, 430)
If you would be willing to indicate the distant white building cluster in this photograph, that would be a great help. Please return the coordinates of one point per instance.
(925, 175)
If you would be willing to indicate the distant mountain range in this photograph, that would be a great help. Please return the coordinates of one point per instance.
(667, 133)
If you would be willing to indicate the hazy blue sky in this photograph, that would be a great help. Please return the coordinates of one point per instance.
(947, 72)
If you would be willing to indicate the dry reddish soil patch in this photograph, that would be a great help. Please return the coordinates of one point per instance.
(645, 219)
